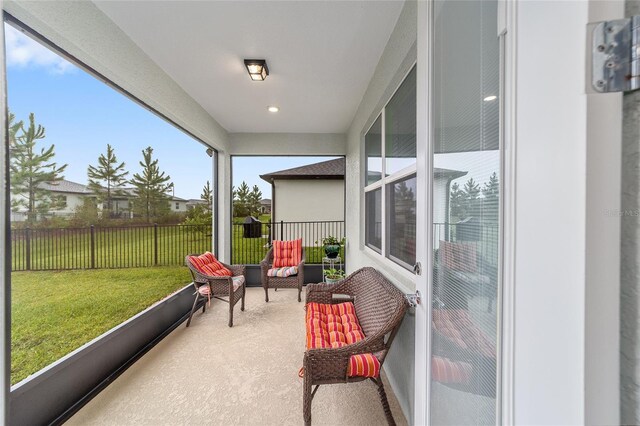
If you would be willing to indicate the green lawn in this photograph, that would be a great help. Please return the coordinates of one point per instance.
(54, 313)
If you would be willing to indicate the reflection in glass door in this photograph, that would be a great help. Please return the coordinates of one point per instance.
(466, 212)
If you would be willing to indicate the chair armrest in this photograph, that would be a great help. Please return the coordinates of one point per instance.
(237, 270)
(323, 292)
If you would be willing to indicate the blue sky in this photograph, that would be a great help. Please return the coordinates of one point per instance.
(82, 115)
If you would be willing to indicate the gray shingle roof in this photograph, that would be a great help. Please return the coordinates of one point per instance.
(65, 186)
(331, 169)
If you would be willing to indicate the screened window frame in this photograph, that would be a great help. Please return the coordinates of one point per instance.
(385, 180)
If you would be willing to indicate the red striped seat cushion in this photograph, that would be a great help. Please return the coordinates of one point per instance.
(334, 326)
(207, 264)
(287, 253)
(444, 370)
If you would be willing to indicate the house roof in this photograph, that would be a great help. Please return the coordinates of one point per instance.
(331, 169)
(265, 201)
(65, 186)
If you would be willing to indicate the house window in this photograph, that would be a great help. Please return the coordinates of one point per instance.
(390, 177)
(177, 206)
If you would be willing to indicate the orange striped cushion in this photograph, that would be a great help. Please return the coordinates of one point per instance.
(363, 365)
(335, 326)
(207, 264)
(287, 253)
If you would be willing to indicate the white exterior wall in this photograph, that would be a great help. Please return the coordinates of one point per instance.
(396, 60)
(182, 206)
(309, 200)
(73, 200)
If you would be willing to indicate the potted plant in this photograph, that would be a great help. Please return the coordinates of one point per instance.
(332, 275)
(332, 246)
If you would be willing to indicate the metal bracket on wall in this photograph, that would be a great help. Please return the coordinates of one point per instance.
(414, 299)
(615, 55)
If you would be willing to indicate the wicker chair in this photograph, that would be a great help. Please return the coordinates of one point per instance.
(380, 308)
(294, 281)
(220, 288)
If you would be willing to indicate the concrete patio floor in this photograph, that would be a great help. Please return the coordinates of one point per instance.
(245, 375)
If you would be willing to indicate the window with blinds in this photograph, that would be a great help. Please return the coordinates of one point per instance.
(390, 177)
(466, 194)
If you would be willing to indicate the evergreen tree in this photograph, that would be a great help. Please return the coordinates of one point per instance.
(471, 193)
(241, 200)
(254, 200)
(30, 169)
(491, 201)
(457, 201)
(207, 195)
(107, 179)
(150, 188)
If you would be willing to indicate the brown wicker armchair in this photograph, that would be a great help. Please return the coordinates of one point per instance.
(294, 281)
(219, 287)
(380, 308)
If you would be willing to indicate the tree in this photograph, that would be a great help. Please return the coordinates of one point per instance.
(254, 201)
(491, 201)
(471, 194)
(207, 195)
(241, 200)
(457, 203)
(107, 179)
(150, 188)
(30, 169)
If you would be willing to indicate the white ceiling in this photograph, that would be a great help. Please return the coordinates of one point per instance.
(321, 56)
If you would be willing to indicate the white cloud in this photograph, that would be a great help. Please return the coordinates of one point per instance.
(24, 52)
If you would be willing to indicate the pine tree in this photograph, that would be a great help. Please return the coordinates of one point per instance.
(457, 203)
(107, 179)
(207, 195)
(241, 200)
(491, 201)
(150, 188)
(254, 200)
(471, 193)
(30, 169)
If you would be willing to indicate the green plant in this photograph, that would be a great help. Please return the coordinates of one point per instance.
(332, 241)
(334, 274)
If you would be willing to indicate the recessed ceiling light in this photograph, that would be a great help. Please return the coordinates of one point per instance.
(490, 98)
(273, 109)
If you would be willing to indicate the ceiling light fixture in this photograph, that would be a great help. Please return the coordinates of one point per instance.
(257, 69)
(273, 109)
(490, 98)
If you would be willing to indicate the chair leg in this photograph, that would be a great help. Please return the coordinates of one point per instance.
(299, 294)
(193, 308)
(244, 293)
(307, 397)
(231, 300)
(383, 400)
(266, 294)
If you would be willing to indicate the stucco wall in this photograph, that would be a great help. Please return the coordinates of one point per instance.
(309, 200)
(396, 60)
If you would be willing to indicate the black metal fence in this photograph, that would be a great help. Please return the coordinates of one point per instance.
(251, 241)
(106, 247)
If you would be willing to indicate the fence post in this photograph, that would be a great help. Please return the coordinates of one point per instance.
(155, 243)
(281, 230)
(93, 247)
(28, 244)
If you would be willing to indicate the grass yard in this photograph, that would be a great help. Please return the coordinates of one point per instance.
(54, 313)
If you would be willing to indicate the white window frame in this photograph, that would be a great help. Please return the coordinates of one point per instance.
(385, 180)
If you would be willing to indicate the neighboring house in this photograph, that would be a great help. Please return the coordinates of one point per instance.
(309, 193)
(178, 205)
(265, 206)
(72, 194)
(192, 202)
